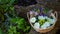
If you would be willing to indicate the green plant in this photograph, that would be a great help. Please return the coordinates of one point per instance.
(0, 31)
(12, 30)
(6, 12)
(10, 22)
(46, 10)
(21, 24)
(6, 6)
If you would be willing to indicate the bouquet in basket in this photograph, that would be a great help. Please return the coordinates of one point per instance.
(41, 18)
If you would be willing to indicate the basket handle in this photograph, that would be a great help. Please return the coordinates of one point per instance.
(28, 16)
(55, 14)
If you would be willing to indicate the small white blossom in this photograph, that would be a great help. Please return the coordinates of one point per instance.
(45, 25)
(36, 25)
(45, 17)
(51, 21)
(41, 17)
(32, 20)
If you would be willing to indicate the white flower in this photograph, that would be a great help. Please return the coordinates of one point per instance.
(32, 20)
(36, 25)
(45, 25)
(45, 17)
(41, 17)
(51, 21)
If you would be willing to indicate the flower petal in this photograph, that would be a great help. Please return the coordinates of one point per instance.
(36, 25)
(45, 25)
(32, 20)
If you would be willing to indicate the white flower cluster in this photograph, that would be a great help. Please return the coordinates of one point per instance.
(45, 25)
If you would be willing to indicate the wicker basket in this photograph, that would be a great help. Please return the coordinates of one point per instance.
(54, 15)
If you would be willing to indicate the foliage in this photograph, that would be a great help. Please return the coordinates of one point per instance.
(9, 21)
(12, 30)
(21, 24)
(6, 13)
(6, 6)
(46, 10)
(0, 31)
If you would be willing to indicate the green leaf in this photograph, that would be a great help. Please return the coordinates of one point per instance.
(18, 33)
(3, 1)
(21, 21)
(12, 1)
(45, 10)
(1, 17)
(11, 8)
(0, 31)
(14, 20)
(7, 1)
(27, 28)
(12, 30)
